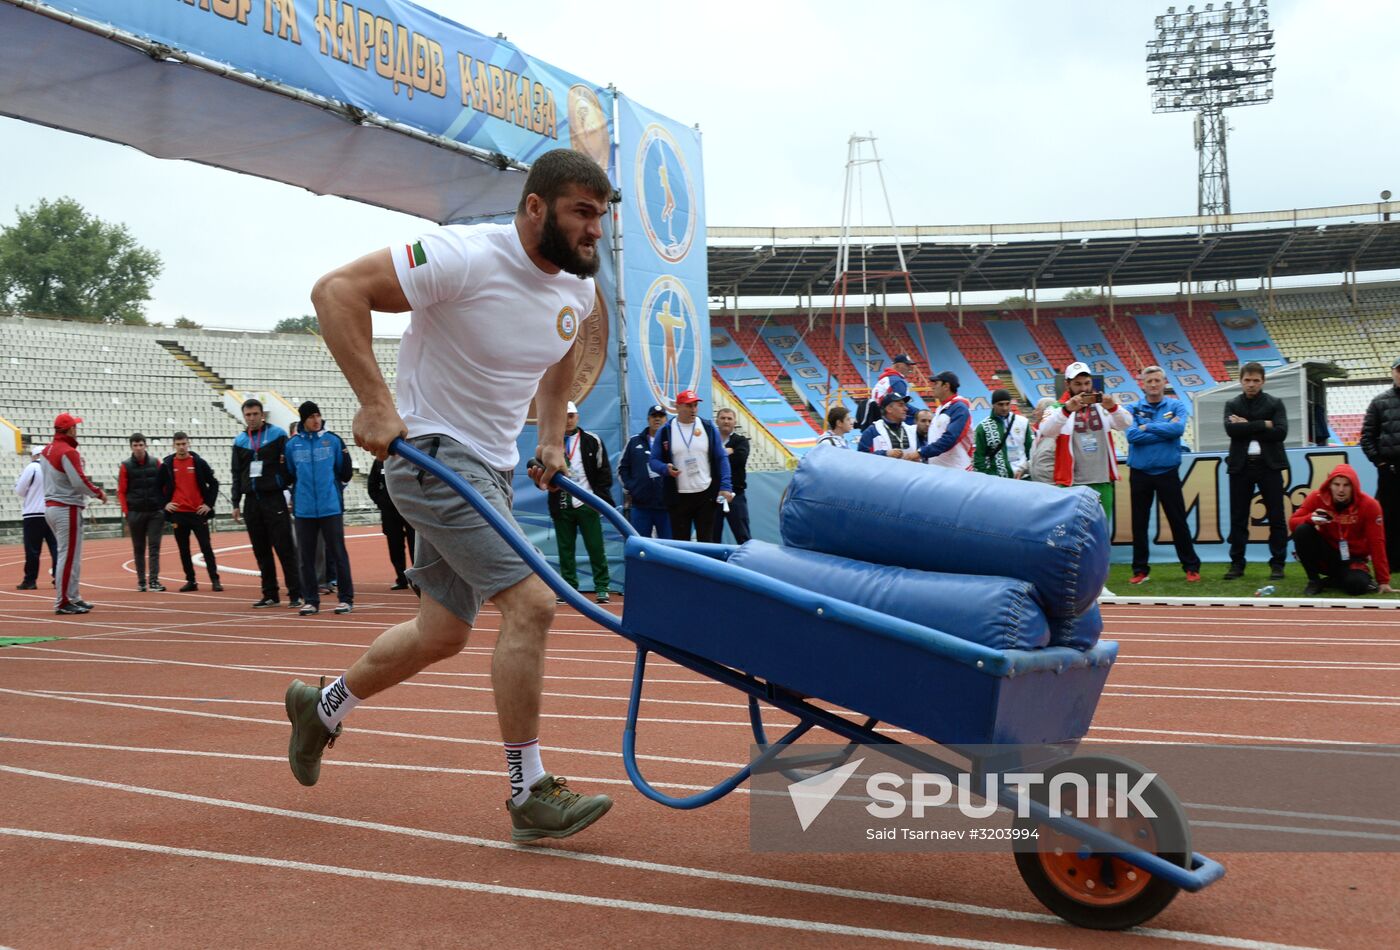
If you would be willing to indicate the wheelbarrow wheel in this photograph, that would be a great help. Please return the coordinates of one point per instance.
(1097, 890)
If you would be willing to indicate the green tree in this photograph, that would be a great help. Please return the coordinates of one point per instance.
(304, 324)
(58, 259)
(185, 323)
(1016, 301)
(1082, 293)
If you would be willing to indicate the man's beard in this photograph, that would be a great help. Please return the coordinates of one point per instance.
(554, 247)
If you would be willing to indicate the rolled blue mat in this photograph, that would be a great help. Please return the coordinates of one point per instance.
(886, 511)
(1080, 632)
(997, 612)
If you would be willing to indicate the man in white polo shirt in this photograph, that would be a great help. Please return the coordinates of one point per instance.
(496, 310)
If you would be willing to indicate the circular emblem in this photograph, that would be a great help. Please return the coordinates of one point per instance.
(567, 323)
(588, 125)
(670, 338)
(591, 352)
(667, 202)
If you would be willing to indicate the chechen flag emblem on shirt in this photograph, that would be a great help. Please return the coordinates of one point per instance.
(416, 257)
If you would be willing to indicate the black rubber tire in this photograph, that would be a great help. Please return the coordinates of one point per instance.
(1147, 903)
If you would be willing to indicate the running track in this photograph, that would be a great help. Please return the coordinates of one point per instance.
(148, 803)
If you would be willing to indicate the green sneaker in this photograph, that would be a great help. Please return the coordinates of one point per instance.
(553, 811)
(310, 737)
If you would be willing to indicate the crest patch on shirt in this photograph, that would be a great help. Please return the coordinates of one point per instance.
(567, 323)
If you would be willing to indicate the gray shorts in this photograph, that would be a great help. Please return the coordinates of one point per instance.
(459, 561)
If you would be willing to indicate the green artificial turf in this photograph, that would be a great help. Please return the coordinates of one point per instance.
(1169, 580)
(16, 641)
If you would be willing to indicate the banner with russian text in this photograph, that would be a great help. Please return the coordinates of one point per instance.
(1173, 351)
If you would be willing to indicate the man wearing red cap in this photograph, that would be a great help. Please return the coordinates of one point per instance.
(66, 491)
(690, 453)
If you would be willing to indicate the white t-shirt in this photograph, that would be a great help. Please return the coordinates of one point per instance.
(573, 454)
(486, 324)
(690, 454)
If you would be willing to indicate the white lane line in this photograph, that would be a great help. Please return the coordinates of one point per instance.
(1266, 692)
(650, 866)
(1312, 664)
(558, 897)
(1251, 699)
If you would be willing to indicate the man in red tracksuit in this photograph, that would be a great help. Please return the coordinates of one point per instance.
(1336, 529)
(66, 490)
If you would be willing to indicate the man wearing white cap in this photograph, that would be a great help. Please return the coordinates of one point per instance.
(1081, 427)
(589, 467)
(30, 488)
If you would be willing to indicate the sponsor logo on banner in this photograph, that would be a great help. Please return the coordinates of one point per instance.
(670, 335)
(668, 196)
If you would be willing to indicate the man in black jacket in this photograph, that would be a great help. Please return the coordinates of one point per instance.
(1257, 425)
(645, 488)
(589, 467)
(736, 446)
(189, 489)
(398, 533)
(1380, 440)
(142, 507)
(257, 481)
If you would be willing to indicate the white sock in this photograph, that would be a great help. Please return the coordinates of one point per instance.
(336, 703)
(523, 768)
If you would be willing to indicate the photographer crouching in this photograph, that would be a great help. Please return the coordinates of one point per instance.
(1336, 530)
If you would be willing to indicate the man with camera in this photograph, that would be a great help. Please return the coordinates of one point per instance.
(1082, 429)
(1336, 530)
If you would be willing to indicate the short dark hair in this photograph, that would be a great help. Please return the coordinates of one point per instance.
(554, 171)
(135, 437)
(180, 436)
(1252, 369)
(250, 402)
(835, 415)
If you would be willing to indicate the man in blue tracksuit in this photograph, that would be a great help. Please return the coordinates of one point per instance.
(1154, 455)
(644, 487)
(317, 467)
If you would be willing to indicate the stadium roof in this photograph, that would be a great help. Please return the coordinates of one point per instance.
(778, 270)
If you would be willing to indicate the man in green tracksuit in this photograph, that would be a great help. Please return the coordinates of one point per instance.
(589, 467)
(1002, 441)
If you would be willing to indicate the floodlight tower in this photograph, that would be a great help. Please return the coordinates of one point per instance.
(1207, 61)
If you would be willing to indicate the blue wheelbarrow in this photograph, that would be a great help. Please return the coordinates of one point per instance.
(840, 614)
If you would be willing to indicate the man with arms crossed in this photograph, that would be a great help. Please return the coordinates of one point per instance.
(496, 309)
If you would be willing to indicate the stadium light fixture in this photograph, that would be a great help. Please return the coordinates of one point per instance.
(1205, 62)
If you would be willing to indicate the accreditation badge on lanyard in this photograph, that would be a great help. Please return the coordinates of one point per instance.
(692, 462)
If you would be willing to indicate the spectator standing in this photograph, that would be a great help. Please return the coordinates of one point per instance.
(688, 453)
(1380, 440)
(838, 423)
(1257, 424)
(66, 491)
(257, 480)
(317, 467)
(950, 435)
(894, 379)
(736, 446)
(138, 492)
(589, 467)
(644, 487)
(1336, 529)
(1082, 430)
(1002, 442)
(398, 533)
(1154, 455)
(922, 420)
(1042, 465)
(37, 533)
(890, 435)
(189, 489)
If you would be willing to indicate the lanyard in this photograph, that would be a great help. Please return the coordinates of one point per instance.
(571, 450)
(896, 442)
(262, 435)
(683, 438)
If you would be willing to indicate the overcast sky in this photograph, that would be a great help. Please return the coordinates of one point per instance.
(995, 111)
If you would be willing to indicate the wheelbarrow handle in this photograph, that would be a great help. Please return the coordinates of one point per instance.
(571, 487)
(509, 532)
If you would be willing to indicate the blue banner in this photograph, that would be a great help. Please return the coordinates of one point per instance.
(1034, 375)
(1248, 337)
(1172, 350)
(1087, 343)
(944, 355)
(810, 376)
(758, 395)
(665, 270)
(390, 58)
